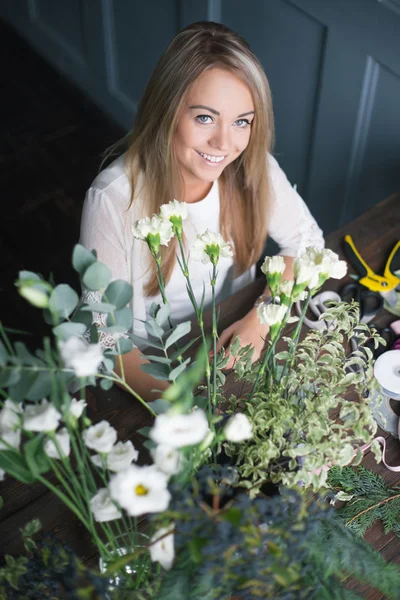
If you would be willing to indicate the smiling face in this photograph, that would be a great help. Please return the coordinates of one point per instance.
(213, 129)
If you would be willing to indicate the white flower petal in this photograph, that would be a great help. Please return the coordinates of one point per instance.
(174, 209)
(63, 442)
(41, 417)
(167, 459)
(10, 415)
(238, 428)
(162, 547)
(121, 456)
(180, 430)
(103, 508)
(83, 358)
(100, 437)
(140, 490)
(271, 314)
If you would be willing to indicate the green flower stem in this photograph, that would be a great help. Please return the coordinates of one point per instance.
(198, 312)
(296, 336)
(265, 361)
(214, 336)
(6, 340)
(161, 285)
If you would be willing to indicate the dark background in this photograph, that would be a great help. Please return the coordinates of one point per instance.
(74, 70)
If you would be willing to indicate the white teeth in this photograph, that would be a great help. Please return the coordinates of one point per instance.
(215, 159)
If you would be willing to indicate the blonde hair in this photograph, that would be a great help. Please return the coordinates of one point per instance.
(244, 184)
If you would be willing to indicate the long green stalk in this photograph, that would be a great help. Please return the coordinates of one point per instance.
(214, 335)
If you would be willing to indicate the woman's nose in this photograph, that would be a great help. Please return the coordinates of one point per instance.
(221, 140)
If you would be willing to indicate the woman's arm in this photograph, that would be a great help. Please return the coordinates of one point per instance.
(142, 383)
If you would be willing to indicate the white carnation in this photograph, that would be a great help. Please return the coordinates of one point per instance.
(271, 314)
(153, 229)
(41, 417)
(180, 430)
(210, 247)
(273, 265)
(80, 356)
(140, 490)
(162, 547)
(63, 442)
(103, 507)
(238, 428)
(100, 437)
(174, 209)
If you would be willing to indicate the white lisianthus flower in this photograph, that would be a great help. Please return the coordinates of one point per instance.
(64, 444)
(180, 430)
(140, 490)
(103, 507)
(76, 407)
(80, 356)
(156, 231)
(210, 247)
(98, 461)
(8, 437)
(2, 475)
(10, 415)
(100, 437)
(121, 456)
(167, 459)
(162, 547)
(238, 428)
(41, 417)
(175, 212)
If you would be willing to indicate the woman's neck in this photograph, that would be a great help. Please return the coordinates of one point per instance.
(196, 192)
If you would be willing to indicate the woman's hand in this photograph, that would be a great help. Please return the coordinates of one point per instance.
(249, 330)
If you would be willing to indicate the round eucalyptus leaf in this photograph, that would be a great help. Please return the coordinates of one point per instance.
(119, 293)
(28, 275)
(97, 276)
(67, 330)
(82, 259)
(123, 317)
(123, 346)
(106, 384)
(101, 307)
(63, 300)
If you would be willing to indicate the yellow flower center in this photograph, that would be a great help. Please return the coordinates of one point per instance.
(140, 490)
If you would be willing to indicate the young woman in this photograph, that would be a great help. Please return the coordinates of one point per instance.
(203, 135)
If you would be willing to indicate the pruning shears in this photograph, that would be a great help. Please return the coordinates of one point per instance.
(376, 283)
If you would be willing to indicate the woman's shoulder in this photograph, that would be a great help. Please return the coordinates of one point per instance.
(113, 177)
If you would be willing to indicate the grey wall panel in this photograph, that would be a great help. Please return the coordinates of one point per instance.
(290, 46)
(380, 173)
(134, 40)
(63, 23)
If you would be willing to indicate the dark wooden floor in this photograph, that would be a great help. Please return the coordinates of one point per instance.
(52, 140)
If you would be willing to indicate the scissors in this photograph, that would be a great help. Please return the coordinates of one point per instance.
(318, 306)
(370, 302)
(376, 283)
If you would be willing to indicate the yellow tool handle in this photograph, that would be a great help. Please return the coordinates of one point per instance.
(374, 282)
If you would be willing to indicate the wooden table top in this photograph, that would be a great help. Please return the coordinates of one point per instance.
(374, 234)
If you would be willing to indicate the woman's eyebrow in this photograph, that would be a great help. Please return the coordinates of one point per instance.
(215, 112)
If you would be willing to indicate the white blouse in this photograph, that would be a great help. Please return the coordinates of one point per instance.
(106, 226)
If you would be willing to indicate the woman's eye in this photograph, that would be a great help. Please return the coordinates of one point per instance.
(203, 119)
(242, 123)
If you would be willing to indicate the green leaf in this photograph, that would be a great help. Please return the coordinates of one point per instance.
(160, 406)
(14, 464)
(82, 259)
(106, 384)
(41, 387)
(182, 351)
(29, 275)
(63, 300)
(153, 329)
(97, 276)
(67, 330)
(35, 456)
(178, 370)
(19, 391)
(100, 307)
(31, 528)
(142, 341)
(123, 346)
(9, 376)
(158, 359)
(3, 354)
(83, 316)
(122, 317)
(181, 330)
(119, 293)
(163, 314)
(158, 371)
(25, 355)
